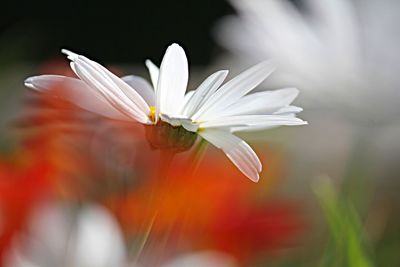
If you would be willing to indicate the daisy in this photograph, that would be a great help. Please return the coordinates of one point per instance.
(339, 51)
(215, 111)
(58, 235)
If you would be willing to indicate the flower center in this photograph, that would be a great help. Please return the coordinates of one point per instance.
(152, 114)
(165, 136)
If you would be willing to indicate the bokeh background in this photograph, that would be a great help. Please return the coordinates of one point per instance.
(328, 194)
(118, 31)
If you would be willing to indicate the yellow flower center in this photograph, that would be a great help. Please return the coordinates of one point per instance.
(152, 114)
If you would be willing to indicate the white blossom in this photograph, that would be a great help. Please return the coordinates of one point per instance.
(214, 110)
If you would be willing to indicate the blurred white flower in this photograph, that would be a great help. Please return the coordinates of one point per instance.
(62, 236)
(342, 53)
(200, 259)
(57, 237)
(213, 111)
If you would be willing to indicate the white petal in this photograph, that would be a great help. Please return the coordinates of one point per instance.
(99, 241)
(289, 110)
(233, 90)
(237, 150)
(124, 88)
(252, 122)
(205, 91)
(174, 120)
(253, 128)
(172, 81)
(154, 72)
(77, 92)
(261, 103)
(187, 99)
(143, 87)
(115, 90)
(189, 125)
(118, 101)
(180, 120)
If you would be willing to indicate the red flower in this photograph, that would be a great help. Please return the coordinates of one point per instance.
(212, 208)
(23, 183)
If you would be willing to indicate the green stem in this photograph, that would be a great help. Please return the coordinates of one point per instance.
(146, 236)
(197, 156)
(166, 157)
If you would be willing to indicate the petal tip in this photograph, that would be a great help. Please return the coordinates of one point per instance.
(224, 72)
(175, 45)
(255, 179)
(70, 55)
(294, 91)
(176, 48)
(29, 83)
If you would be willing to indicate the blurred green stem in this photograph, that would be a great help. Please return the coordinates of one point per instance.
(197, 157)
(348, 247)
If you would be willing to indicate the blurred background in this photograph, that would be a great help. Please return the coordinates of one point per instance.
(120, 31)
(79, 190)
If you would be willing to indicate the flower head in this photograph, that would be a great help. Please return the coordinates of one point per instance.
(215, 111)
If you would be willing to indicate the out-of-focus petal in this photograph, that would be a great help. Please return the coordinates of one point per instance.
(77, 92)
(202, 259)
(98, 241)
(58, 238)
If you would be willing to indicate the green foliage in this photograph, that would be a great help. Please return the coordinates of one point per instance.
(348, 244)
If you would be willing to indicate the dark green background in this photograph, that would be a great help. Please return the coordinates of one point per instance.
(113, 31)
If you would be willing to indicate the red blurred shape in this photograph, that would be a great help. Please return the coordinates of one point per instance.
(23, 183)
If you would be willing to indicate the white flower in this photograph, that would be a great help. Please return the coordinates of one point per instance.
(203, 258)
(57, 237)
(343, 53)
(214, 111)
